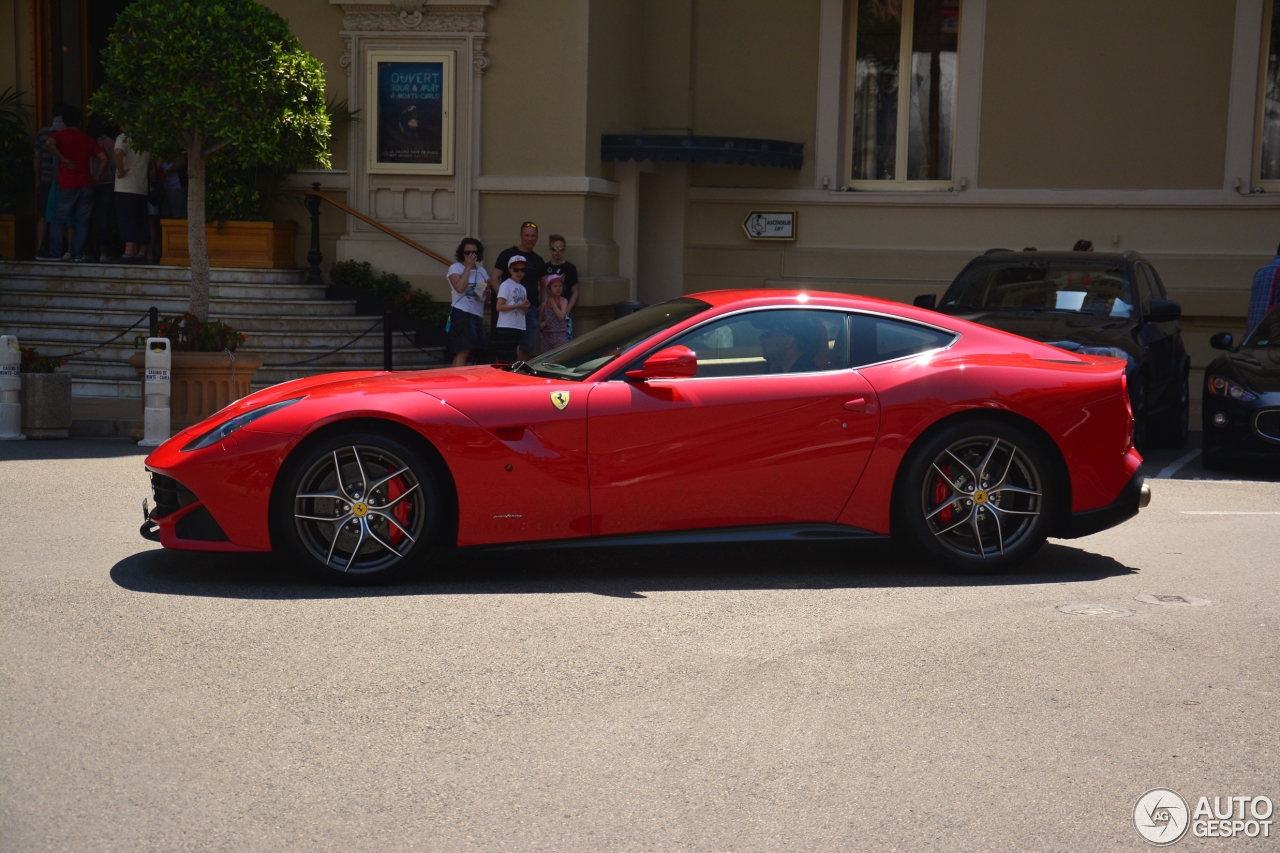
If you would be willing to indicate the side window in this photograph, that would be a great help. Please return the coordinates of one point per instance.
(760, 342)
(876, 339)
(1159, 285)
(1146, 287)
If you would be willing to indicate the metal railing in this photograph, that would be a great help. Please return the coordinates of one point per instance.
(313, 199)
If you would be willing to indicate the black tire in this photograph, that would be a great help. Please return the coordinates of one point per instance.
(388, 504)
(949, 519)
(1172, 429)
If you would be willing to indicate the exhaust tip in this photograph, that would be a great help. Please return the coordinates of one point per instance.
(1144, 497)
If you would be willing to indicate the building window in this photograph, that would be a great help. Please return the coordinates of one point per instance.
(901, 135)
(1269, 119)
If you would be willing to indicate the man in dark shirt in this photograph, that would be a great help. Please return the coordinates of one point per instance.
(537, 268)
(559, 266)
(80, 161)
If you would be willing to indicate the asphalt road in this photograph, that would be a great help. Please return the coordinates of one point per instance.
(732, 698)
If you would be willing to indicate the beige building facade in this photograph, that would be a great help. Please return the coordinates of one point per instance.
(1139, 125)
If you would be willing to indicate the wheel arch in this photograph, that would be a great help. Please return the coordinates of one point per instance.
(448, 532)
(1060, 470)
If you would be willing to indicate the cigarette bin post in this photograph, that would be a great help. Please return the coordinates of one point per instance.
(10, 389)
(156, 390)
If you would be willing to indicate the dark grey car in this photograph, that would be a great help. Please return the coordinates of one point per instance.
(1092, 304)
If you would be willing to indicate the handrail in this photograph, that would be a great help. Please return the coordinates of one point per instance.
(315, 191)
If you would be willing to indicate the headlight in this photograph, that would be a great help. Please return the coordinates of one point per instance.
(221, 431)
(1224, 387)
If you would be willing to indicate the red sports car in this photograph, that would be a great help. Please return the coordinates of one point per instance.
(743, 414)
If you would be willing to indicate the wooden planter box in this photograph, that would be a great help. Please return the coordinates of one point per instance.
(203, 382)
(46, 405)
(257, 245)
(17, 236)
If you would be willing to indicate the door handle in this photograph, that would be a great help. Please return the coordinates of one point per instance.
(861, 405)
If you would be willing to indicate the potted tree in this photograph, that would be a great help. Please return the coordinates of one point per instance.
(46, 396)
(206, 372)
(17, 226)
(208, 78)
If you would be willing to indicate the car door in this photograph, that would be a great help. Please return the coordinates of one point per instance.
(1160, 340)
(735, 444)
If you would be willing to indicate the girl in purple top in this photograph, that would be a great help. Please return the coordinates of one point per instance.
(555, 308)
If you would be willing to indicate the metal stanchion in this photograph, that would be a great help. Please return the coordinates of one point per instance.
(10, 389)
(156, 389)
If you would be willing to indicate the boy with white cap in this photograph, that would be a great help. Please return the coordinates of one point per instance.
(513, 303)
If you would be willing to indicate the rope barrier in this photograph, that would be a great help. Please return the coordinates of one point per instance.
(143, 318)
(376, 324)
(414, 344)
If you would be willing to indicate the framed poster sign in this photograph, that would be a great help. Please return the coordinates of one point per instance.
(411, 100)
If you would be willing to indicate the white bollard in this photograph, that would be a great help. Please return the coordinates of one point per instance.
(156, 390)
(10, 389)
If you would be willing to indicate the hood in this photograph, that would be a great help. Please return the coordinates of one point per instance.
(1090, 330)
(1256, 369)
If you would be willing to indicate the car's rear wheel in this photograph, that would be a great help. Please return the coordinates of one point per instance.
(979, 496)
(357, 507)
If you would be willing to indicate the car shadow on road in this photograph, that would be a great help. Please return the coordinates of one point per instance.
(616, 572)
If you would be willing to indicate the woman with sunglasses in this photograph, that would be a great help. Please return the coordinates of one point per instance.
(468, 284)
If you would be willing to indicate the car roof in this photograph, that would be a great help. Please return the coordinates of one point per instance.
(1006, 255)
(764, 297)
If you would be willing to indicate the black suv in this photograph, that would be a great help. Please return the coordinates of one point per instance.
(1091, 304)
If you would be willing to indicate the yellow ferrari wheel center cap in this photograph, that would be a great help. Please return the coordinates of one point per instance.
(980, 497)
(360, 509)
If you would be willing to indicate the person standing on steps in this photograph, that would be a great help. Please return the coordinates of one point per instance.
(468, 285)
(512, 310)
(535, 269)
(80, 160)
(559, 266)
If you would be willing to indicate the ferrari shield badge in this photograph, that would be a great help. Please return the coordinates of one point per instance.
(560, 399)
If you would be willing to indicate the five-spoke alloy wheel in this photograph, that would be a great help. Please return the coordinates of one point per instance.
(357, 506)
(979, 495)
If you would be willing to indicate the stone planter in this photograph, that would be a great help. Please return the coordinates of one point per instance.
(203, 382)
(256, 245)
(46, 405)
(17, 236)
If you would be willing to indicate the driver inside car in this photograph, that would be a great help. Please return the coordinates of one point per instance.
(793, 345)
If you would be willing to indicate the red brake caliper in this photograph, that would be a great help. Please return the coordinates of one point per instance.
(941, 492)
(401, 511)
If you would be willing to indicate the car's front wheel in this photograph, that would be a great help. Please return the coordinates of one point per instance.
(357, 507)
(979, 496)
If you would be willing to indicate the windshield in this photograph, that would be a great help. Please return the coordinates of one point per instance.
(1076, 286)
(1267, 334)
(584, 355)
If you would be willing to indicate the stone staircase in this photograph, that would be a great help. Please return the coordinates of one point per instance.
(59, 308)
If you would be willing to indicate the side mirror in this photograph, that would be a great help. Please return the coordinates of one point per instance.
(925, 300)
(671, 363)
(1222, 340)
(1163, 311)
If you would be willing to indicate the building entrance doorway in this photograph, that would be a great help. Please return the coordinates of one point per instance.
(69, 38)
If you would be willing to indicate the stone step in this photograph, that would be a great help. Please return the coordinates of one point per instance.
(17, 306)
(62, 340)
(147, 272)
(179, 294)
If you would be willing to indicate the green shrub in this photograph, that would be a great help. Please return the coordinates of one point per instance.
(407, 299)
(188, 333)
(34, 362)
